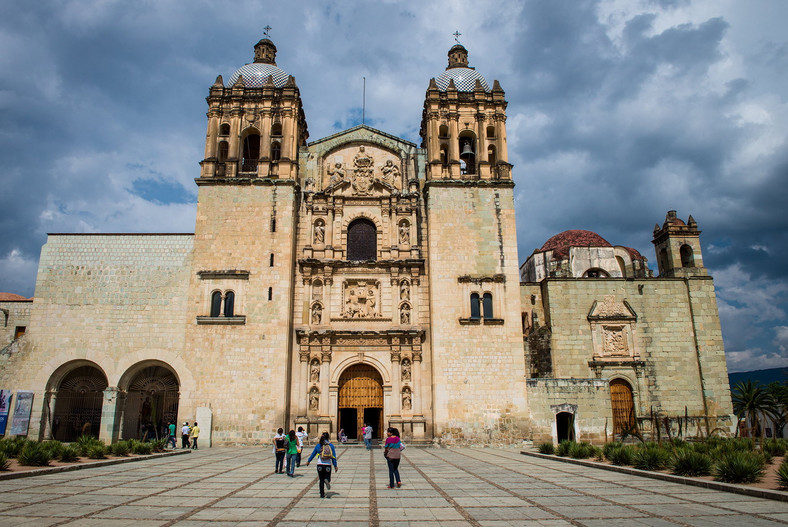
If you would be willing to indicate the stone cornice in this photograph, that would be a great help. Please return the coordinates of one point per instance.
(244, 181)
(367, 264)
(468, 183)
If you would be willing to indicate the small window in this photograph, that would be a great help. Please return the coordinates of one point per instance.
(19, 331)
(276, 129)
(229, 304)
(224, 150)
(491, 158)
(444, 154)
(270, 293)
(276, 151)
(224, 129)
(490, 132)
(216, 303)
(443, 131)
(271, 263)
(475, 312)
(487, 305)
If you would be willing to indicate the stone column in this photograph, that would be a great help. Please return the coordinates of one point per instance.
(396, 378)
(109, 415)
(325, 381)
(302, 384)
(49, 414)
(416, 379)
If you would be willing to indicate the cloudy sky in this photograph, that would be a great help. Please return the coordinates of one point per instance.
(619, 110)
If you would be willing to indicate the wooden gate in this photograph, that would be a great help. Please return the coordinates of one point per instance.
(623, 406)
(361, 387)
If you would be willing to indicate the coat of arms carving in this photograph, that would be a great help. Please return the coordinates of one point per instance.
(363, 172)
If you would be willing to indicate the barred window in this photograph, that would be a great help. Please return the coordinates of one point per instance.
(362, 240)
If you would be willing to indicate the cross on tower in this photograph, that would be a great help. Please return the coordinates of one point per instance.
(457, 36)
(266, 29)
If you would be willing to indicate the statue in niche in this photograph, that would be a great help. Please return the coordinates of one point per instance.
(314, 399)
(320, 233)
(317, 314)
(391, 174)
(309, 184)
(314, 371)
(404, 290)
(363, 170)
(404, 315)
(406, 370)
(406, 399)
(336, 174)
(404, 233)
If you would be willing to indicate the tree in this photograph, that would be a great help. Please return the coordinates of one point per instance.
(779, 412)
(752, 403)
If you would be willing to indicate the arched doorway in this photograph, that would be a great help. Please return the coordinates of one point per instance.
(623, 406)
(565, 426)
(78, 402)
(360, 400)
(151, 402)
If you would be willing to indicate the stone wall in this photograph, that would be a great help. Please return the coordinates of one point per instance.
(13, 314)
(587, 399)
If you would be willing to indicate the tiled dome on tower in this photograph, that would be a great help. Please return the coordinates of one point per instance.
(256, 74)
(464, 76)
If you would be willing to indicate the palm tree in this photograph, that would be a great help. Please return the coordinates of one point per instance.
(779, 394)
(751, 403)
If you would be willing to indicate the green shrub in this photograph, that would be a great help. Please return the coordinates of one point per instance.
(624, 455)
(54, 447)
(69, 454)
(34, 455)
(4, 462)
(651, 458)
(582, 450)
(782, 474)
(775, 447)
(739, 467)
(563, 448)
(610, 447)
(96, 451)
(159, 445)
(687, 462)
(141, 448)
(85, 442)
(121, 448)
(546, 448)
(12, 446)
(678, 442)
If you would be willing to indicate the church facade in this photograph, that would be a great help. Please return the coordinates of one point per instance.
(362, 278)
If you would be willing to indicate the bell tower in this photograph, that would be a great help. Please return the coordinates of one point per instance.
(677, 245)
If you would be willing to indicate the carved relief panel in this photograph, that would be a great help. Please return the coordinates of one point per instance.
(361, 299)
(362, 168)
(613, 324)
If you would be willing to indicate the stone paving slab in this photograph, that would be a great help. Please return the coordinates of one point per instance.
(441, 488)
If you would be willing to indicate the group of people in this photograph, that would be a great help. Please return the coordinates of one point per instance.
(189, 435)
(289, 446)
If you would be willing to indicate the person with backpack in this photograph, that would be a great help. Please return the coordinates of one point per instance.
(326, 456)
(280, 448)
(392, 450)
(293, 447)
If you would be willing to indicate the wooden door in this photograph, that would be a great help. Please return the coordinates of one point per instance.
(361, 387)
(623, 406)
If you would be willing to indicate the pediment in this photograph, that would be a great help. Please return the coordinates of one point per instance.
(611, 308)
(362, 170)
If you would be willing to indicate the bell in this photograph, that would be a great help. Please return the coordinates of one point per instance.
(467, 150)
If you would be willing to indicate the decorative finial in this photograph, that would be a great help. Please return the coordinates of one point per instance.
(457, 36)
(266, 29)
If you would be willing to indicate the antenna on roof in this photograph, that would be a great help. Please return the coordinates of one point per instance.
(457, 36)
(364, 101)
(266, 29)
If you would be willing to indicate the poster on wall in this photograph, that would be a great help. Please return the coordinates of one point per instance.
(21, 419)
(5, 405)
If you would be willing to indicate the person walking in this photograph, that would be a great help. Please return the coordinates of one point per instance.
(293, 446)
(326, 456)
(367, 430)
(393, 452)
(171, 435)
(280, 448)
(302, 438)
(194, 434)
(185, 435)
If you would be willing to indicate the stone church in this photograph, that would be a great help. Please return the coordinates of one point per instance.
(362, 278)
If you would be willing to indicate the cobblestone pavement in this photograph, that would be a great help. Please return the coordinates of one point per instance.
(441, 487)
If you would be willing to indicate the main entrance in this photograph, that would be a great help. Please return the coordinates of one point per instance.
(360, 400)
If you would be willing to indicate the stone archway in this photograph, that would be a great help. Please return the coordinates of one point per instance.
(360, 400)
(151, 401)
(79, 397)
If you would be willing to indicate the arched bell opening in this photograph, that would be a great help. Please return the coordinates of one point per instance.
(467, 152)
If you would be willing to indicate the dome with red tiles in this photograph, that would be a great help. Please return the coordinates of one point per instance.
(11, 297)
(561, 242)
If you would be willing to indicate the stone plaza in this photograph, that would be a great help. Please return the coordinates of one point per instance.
(490, 487)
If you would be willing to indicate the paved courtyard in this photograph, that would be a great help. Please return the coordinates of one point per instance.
(458, 487)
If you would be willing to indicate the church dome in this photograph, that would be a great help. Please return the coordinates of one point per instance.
(256, 74)
(464, 76)
(561, 242)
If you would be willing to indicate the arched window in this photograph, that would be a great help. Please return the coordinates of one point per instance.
(490, 132)
(687, 259)
(596, 273)
(663, 260)
(443, 131)
(487, 306)
(475, 311)
(229, 304)
(216, 303)
(362, 240)
(224, 149)
(467, 144)
(276, 129)
(276, 151)
(491, 155)
(224, 129)
(251, 153)
(621, 266)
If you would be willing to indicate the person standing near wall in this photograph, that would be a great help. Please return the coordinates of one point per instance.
(367, 436)
(194, 434)
(393, 452)
(326, 456)
(280, 448)
(185, 435)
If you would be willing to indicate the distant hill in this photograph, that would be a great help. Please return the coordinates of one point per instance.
(763, 377)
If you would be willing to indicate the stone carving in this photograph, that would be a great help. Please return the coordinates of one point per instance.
(336, 174)
(406, 370)
(314, 399)
(614, 340)
(362, 177)
(404, 233)
(390, 174)
(404, 315)
(314, 371)
(404, 290)
(610, 308)
(317, 313)
(406, 399)
(361, 299)
(320, 233)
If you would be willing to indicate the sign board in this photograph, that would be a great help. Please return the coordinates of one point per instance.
(20, 422)
(5, 405)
